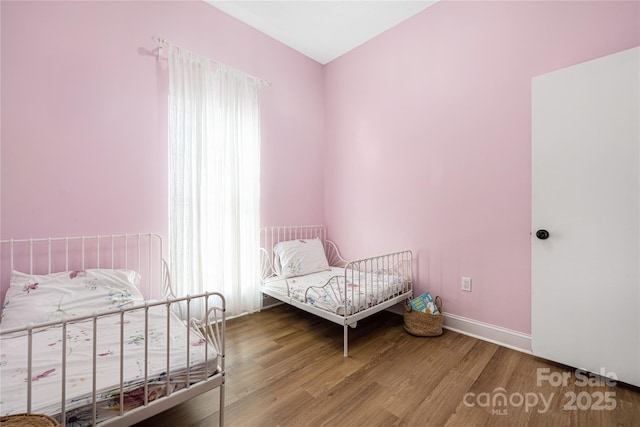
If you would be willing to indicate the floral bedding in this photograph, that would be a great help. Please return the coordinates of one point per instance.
(326, 289)
(52, 297)
(47, 370)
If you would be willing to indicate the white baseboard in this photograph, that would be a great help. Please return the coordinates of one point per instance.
(484, 331)
(496, 334)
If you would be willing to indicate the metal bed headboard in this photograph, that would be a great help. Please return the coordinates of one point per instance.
(141, 252)
(271, 236)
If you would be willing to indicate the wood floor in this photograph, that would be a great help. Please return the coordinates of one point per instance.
(286, 368)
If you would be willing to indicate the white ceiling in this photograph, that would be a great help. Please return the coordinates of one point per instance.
(322, 30)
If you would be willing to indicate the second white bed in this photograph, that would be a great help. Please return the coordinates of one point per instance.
(301, 267)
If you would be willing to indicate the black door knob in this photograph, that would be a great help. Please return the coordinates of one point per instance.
(542, 234)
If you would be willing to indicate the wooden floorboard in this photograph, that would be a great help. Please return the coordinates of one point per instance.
(285, 368)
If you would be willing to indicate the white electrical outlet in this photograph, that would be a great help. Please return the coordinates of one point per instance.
(466, 284)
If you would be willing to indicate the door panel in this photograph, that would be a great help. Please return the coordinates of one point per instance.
(586, 193)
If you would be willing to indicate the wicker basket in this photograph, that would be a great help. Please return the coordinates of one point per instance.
(423, 324)
(28, 420)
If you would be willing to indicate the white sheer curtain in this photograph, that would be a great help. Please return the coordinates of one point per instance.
(214, 180)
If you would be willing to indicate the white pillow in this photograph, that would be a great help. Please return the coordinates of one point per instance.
(43, 298)
(299, 257)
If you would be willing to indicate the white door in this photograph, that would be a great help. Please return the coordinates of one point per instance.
(585, 193)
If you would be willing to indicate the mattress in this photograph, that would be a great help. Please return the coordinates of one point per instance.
(326, 289)
(47, 371)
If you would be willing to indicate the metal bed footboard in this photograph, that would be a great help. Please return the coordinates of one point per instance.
(368, 282)
(385, 276)
(211, 328)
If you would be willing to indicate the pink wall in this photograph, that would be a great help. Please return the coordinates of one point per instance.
(427, 128)
(429, 138)
(84, 115)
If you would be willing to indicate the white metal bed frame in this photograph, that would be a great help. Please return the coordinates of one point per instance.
(142, 251)
(400, 263)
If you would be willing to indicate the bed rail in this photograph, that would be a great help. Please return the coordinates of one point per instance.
(180, 383)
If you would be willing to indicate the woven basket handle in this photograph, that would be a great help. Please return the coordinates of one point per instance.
(438, 301)
(407, 306)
